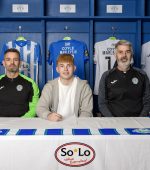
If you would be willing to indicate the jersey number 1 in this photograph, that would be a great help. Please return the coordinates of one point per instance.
(109, 62)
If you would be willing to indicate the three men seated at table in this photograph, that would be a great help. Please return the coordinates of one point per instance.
(124, 91)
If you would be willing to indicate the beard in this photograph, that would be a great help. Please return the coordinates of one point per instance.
(124, 64)
(13, 69)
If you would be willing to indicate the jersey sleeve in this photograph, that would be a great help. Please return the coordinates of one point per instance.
(38, 53)
(143, 56)
(33, 99)
(86, 53)
(50, 54)
(95, 53)
(4, 48)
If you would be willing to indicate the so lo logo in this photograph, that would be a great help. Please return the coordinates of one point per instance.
(74, 154)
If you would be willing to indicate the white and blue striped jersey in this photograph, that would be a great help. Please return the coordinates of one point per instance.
(30, 54)
(77, 49)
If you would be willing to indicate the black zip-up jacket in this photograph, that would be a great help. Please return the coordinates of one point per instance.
(18, 96)
(124, 94)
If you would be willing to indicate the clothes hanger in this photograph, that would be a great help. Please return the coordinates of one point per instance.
(20, 37)
(66, 28)
(112, 38)
(113, 34)
(67, 38)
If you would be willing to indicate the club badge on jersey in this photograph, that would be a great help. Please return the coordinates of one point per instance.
(135, 80)
(19, 87)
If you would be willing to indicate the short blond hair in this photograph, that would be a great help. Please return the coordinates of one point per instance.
(67, 58)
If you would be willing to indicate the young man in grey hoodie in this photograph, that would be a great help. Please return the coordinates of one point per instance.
(67, 95)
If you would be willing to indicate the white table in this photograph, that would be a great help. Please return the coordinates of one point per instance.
(47, 152)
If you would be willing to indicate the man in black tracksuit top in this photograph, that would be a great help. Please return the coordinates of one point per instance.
(124, 91)
(18, 93)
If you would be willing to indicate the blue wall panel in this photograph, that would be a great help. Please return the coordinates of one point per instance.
(82, 8)
(145, 32)
(129, 7)
(34, 7)
(9, 33)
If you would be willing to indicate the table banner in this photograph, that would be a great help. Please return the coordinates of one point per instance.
(74, 132)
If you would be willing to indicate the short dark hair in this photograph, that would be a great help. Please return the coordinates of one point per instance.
(12, 50)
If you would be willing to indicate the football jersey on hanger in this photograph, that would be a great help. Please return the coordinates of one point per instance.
(30, 54)
(104, 59)
(76, 48)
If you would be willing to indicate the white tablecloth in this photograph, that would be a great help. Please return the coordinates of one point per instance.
(39, 151)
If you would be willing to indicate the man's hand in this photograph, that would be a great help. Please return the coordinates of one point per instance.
(54, 117)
